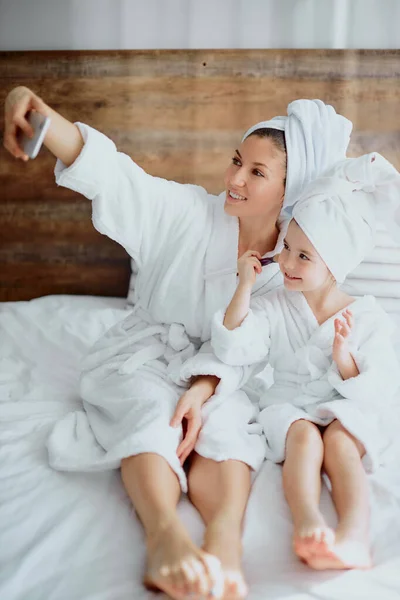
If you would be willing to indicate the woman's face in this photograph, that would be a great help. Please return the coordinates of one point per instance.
(254, 181)
(302, 267)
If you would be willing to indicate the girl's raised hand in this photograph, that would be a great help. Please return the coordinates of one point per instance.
(248, 267)
(343, 329)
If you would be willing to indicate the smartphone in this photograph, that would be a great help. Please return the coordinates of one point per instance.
(40, 126)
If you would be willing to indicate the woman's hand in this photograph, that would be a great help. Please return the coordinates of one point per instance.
(189, 409)
(248, 267)
(18, 103)
(63, 138)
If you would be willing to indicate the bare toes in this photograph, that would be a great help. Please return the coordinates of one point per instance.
(215, 575)
(203, 585)
(310, 543)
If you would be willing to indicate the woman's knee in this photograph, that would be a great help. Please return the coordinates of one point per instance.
(301, 433)
(209, 478)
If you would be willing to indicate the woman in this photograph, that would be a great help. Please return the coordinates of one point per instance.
(186, 244)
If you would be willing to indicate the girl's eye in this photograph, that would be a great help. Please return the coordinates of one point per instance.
(236, 161)
(258, 173)
(285, 246)
(304, 257)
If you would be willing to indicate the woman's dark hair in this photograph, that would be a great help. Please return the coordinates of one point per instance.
(277, 137)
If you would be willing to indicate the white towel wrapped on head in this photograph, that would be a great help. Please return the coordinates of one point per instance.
(338, 213)
(316, 138)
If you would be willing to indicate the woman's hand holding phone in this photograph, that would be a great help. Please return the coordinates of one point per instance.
(61, 137)
(20, 103)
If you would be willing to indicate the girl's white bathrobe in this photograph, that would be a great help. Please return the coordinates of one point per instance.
(282, 329)
(185, 248)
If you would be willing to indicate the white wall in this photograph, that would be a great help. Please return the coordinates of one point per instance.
(107, 24)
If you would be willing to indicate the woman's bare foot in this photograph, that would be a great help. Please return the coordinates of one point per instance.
(223, 539)
(312, 537)
(179, 568)
(347, 552)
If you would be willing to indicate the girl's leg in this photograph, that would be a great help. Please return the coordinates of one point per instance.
(220, 490)
(174, 564)
(342, 463)
(302, 487)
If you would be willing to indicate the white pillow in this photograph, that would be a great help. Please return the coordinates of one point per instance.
(379, 274)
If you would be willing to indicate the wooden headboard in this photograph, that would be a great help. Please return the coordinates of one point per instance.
(179, 114)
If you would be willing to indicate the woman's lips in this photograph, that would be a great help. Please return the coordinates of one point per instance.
(235, 198)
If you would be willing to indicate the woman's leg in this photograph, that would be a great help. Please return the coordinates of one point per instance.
(302, 487)
(174, 563)
(220, 491)
(342, 463)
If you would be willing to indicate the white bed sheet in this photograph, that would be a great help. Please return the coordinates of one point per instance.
(74, 537)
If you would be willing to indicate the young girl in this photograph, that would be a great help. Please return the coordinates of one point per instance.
(335, 370)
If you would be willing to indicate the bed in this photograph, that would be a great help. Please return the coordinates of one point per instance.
(75, 537)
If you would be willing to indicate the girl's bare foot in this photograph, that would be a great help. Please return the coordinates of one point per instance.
(346, 553)
(312, 536)
(179, 568)
(223, 539)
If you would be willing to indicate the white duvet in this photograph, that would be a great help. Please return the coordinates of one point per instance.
(74, 537)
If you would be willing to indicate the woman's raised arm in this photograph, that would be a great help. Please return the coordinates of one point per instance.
(63, 138)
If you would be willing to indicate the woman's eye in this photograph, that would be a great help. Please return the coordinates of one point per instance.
(303, 257)
(236, 161)
(285, 246)
(258, 173)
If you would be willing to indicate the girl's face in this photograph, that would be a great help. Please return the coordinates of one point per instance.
(254, 181)
(301, 265)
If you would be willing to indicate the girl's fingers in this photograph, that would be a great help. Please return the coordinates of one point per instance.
(345, 330)
(349, 318)
(344, 327)
(256, 264)
(253, 253)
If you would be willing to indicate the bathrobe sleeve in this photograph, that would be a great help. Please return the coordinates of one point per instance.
(140, 212)
(250, 342)
(376, 360)
(234, 356)
(205, 362)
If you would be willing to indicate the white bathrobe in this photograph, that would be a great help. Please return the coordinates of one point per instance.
(282, 329)
(185, 248)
